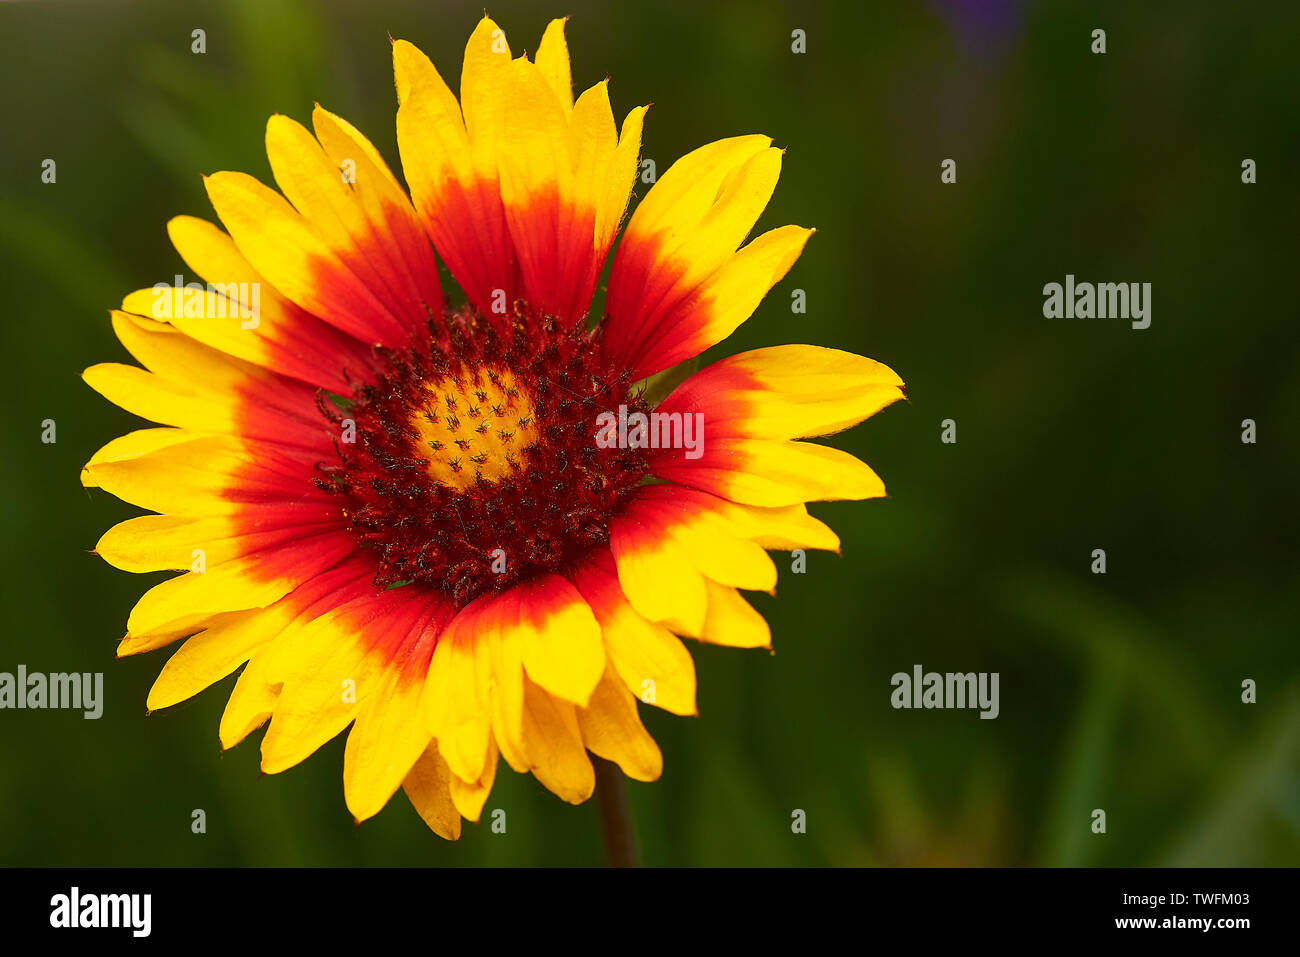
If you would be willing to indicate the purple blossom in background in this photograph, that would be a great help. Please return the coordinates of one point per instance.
(982, 27)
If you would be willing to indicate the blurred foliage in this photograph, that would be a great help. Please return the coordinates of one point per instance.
(1119, 692)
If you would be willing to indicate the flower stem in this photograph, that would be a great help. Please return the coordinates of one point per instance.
(615, 818)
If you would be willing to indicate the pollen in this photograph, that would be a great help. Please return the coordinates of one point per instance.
(475, 425)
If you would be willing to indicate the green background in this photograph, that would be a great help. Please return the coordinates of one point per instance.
(1120, 692)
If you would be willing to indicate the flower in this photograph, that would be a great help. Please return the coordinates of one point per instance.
(403, 515)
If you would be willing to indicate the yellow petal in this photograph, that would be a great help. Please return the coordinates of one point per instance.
(469, 796)
(554, 743)
(774, 473)
(168, 470)
(595, 140)
(740, 199)
(687, 190)
(732, 621)
(650, 659)
(322, 697)
(234, 585)
(250, 704)
(559, 638)
(786, 392)
(130, 447)
(213, 654)
(716, 550)
(731, 294)
(453, 183)
(657, 575)
(612, 729)
(551, 238)
(484, 82)
(189, 384)
(620, 177)
(553, 61)
(154, 543)
(282, 245)
(457, 702)
(264, 329)
(677, 266)
(386, 208)
(427, 786)
(258, 689)
(507, 663)
(384, 743)
(362, 235)
(663, 310)
(783, 527)
(153, 640)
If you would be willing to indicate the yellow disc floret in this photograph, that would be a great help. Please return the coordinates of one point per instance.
(476, 424)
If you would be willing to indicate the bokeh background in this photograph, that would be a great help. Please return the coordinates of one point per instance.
(1120, 692)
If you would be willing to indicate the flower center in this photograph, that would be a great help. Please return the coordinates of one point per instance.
(477, 425)
(472, 463)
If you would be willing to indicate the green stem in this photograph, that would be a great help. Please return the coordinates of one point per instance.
(615, 818)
